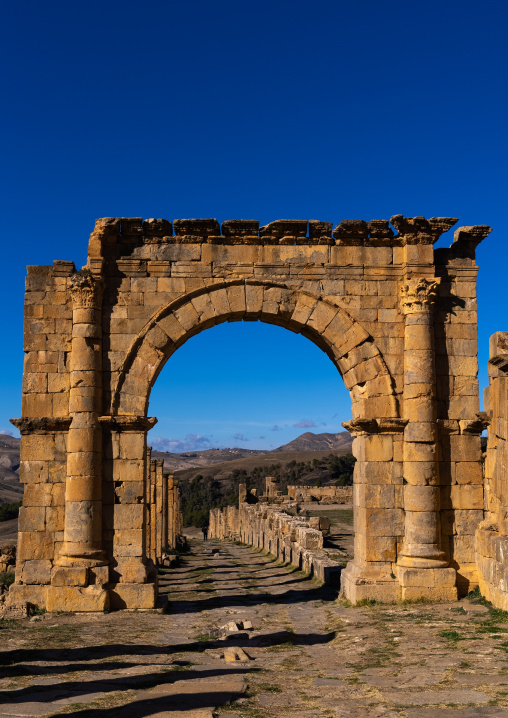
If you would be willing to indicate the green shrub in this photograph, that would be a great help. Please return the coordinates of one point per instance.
(9, 511)
(7, 578)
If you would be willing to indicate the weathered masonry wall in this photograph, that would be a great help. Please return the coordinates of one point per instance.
(290, 539)
(323, 494)
(397, 319)
(492, 533)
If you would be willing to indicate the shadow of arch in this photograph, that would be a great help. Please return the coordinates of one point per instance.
(351, 348)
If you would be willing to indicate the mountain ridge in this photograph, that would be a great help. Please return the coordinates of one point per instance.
(11, 489)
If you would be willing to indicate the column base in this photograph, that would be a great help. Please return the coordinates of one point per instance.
(368, 582)
(434, 584)
(422, 556)
(87, 558)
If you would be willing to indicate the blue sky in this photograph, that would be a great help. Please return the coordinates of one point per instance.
(266, 110)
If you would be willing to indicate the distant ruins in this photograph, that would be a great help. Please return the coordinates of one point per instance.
(292, 539)
(396, 317)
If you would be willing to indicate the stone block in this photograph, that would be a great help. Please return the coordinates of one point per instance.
(379, 522)
(378, 472)
(464, 496)
(32, 518)
(373, 447)
(374, 496)
(132, 596)
(128, 542)
(465, 447)
(55, 518)
(129, 570)
(37, 446)
(76, 598)
(128, 516)
(375, 548)
(463, 549)
(36, 572)
(468, 472)
(19, 595)
(431, 593)
(38, 494)
(460, 521)
(429, 577)
(69, 576)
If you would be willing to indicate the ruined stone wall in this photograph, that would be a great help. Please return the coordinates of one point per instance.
(396, 318)
(288, 538)
(492, 534)
(323, 494)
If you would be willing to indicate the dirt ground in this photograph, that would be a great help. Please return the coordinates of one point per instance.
(310, 653)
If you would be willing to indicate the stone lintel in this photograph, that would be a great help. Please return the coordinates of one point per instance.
(375, 426)
(128, 423)
(42, 425)
(472, 235)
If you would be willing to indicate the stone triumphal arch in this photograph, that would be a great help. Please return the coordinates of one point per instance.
(397, 318)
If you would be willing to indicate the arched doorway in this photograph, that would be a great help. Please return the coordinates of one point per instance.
(379, 523)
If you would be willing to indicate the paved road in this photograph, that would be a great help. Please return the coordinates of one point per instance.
(310, 655)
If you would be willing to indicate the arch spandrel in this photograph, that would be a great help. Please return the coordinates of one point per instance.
(350, 347)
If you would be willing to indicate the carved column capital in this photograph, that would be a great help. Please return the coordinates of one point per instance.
(86, 291)
(418, 295)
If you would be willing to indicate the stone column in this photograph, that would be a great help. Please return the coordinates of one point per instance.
(153, 512)
(171, 511)
(422, 533)
(83, 491)
(165, 512)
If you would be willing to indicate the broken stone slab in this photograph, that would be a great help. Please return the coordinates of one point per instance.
(233, 654)
(230, 626)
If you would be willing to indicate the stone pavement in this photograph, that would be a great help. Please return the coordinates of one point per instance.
(311, 655)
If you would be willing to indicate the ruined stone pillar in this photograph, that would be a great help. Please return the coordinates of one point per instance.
(83, 490)
(153, 512)
(165, 511)
(422, 534)
(159, 509)
(171, 538)
(147, 502)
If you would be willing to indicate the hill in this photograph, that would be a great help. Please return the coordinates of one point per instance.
(308, 442)
(305, 455)
(178, 462)
(318, 442)
(10, 488)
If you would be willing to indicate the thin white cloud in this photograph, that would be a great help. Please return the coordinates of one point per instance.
(191, 442)
(6, 432)
(275, 427)
(240, 437)
(305, 424)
